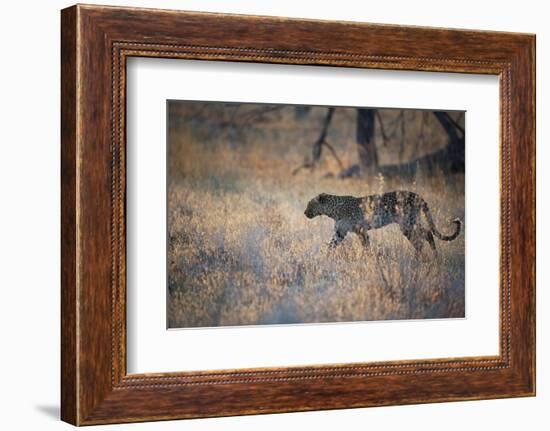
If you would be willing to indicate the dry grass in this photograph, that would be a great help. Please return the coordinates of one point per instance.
(241, 251)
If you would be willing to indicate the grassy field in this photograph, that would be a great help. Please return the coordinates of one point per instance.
(241, 251)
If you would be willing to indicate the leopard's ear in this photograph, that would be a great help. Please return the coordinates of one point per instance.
(323, 197)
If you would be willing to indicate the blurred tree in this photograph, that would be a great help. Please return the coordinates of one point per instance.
(391, 142)
(448, 159)
(455, 150)
(301, 111)
(365, 129)
(319, 144)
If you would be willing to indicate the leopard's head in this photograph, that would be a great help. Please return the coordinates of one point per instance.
(317, 206)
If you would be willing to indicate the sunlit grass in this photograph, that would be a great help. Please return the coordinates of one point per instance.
(241, 251)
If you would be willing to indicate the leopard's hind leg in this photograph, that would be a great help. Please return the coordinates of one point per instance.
(428, 236)
(415, 238)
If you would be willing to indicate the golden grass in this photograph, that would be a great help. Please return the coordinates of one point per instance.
(241, 251)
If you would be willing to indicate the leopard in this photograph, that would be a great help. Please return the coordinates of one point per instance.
(359, 215)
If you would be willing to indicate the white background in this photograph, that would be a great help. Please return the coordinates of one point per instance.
(151, 348)
(29, 216)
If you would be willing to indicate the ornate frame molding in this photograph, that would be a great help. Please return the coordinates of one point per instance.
(96, 41)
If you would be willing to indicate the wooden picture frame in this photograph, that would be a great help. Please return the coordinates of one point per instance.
(95, 43)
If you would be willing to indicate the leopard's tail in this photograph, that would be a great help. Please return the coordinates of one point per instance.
(434, 230)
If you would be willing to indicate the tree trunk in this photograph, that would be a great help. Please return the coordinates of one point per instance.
(455, 149)
(368, 156)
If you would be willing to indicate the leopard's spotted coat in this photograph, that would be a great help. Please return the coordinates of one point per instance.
(359, 215)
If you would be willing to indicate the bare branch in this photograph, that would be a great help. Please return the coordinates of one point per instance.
(257, 114)
(421, 135)
(442, 116)
(334, 154)
(305, 165)
(385, 138)
(402, 143)
(318, 145)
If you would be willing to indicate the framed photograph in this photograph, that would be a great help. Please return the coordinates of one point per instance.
(264, 215)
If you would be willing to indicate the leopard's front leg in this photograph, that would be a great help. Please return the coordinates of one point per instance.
(341, 229)
(362, 232)
(336, 239)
